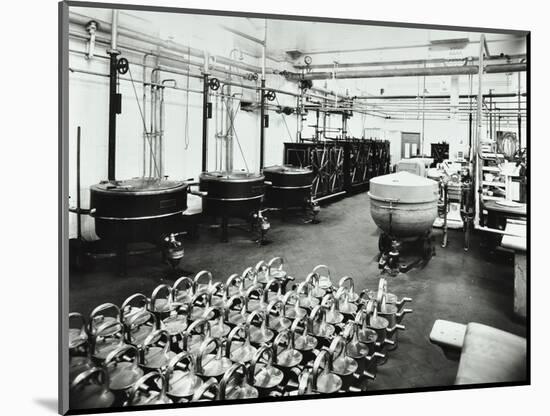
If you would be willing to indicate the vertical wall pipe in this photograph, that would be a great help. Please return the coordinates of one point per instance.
(113, 98)
(519, 110)
(262, 101)
(479, 125)
(205, 113)
(78, 202)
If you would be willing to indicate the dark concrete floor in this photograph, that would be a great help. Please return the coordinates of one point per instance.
(455, 285)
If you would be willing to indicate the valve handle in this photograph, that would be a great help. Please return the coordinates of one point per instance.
(122, 66)
(270, 95)
(214, 84)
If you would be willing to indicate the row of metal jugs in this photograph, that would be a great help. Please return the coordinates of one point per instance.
(246, 338)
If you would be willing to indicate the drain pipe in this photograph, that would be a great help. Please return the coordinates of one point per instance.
(114, 98)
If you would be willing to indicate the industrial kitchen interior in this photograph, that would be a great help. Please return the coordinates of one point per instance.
(262, 208)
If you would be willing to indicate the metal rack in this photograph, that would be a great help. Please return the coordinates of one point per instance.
(341, 166)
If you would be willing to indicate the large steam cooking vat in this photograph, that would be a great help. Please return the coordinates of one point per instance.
(231, 194)
(288, 186)
(139, 209)
(234, 195)
(403, 205)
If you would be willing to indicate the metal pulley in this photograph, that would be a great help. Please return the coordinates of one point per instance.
(182, 379)
(149, 389)
(90, 390)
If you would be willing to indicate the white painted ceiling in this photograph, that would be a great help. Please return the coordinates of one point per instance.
(326, 43)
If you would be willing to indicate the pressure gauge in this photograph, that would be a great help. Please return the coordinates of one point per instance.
(308, 60)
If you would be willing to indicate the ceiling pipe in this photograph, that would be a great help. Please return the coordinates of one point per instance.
(407, 72)
(408, 62)
(431, 97)
(105, 27)
(164, 56)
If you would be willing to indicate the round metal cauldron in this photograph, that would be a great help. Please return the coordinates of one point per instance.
(139, 209)
(403, 205)
(231, 194)
(288, 186)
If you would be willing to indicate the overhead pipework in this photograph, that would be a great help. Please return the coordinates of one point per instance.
(408, 72)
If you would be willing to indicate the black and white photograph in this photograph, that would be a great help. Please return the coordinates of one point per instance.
(264, 208)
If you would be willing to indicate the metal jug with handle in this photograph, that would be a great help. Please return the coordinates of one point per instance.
(181, 377)
(90, 390)
(234, 384)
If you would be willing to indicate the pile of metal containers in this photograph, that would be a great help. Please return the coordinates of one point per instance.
(259, 334)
